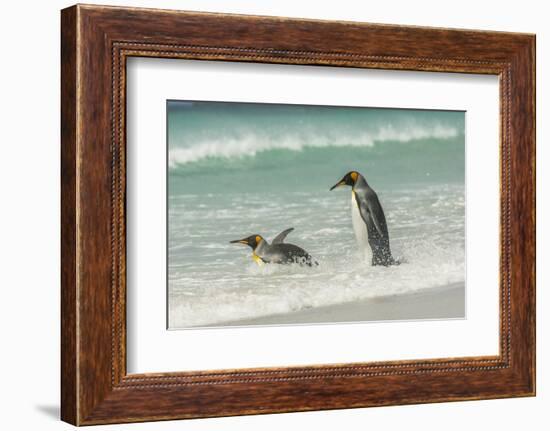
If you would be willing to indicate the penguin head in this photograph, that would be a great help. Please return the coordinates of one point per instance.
(348, 180)
(252, 241)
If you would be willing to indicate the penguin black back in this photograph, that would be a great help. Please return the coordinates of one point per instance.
(278, 251)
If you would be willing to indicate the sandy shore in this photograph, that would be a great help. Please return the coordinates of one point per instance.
(441, 303)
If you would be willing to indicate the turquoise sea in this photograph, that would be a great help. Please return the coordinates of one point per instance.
(236, 169)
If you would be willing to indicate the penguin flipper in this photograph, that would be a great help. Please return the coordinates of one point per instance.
(379, 219)
(373, 209)
(279, 239)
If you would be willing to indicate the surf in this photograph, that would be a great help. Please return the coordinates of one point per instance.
(252, 144)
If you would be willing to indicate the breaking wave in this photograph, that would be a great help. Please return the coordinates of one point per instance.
(250, 144)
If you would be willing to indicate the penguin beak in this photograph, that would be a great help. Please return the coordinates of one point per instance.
(338, 184)
(239, 241)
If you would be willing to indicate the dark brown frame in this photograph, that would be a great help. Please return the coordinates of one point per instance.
(95, 43)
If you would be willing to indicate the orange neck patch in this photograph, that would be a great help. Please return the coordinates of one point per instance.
(354, 176)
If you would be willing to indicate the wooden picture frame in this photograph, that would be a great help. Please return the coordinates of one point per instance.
(95, 43)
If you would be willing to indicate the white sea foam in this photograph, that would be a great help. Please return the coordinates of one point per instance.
(249, 144)
(427, 236)
(268, 290)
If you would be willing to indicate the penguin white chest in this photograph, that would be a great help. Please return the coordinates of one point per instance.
(359, 226)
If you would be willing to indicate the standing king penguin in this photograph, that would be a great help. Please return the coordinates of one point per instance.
(369, 221)
(276, 252)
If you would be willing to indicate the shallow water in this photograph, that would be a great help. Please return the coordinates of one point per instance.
(253, 170)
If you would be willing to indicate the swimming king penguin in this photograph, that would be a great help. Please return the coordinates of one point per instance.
(276, 252)
(369, 222)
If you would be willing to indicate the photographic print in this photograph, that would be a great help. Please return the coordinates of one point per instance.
(284, 214)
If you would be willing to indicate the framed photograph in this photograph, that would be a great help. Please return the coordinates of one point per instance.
(264, 215)
(251, 171)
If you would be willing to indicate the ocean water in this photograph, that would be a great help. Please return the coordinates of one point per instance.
(238, 169)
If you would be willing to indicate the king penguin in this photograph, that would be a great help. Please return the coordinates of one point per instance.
(369, 221)
(276, 252)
